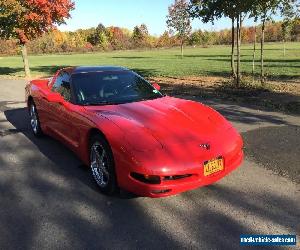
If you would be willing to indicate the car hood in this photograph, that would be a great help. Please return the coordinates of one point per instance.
(164, 121)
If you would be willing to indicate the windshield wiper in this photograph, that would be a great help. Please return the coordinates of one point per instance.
(150, 98)
(99, 103)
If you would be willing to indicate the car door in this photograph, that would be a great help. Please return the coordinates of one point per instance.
(67, 120)
(51, 108)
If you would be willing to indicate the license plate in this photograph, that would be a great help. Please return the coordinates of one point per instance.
(213, 166)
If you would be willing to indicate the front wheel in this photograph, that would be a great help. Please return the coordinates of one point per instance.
(34, 120)
(102, 165)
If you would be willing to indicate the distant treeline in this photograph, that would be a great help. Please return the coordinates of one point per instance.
(114, 38)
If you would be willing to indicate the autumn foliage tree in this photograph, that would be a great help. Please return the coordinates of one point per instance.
(98, 36)
(115, 38)
(140, 36)
(28, 19)
(179, 19)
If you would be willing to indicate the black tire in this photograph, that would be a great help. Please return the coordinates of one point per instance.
(34, 120)
(109, 185)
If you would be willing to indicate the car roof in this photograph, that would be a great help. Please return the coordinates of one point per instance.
(88, 69)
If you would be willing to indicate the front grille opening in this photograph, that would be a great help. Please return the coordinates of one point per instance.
(176, 177)
(161, 191)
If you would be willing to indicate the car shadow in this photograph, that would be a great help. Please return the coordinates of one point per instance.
(48, 146)
(55, 151)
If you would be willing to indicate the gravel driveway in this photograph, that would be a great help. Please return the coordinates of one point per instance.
(48, 199)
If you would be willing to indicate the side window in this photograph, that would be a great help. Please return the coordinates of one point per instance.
(57, 82)
(62, 85)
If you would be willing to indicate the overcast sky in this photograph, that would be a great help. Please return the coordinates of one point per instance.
(129, 13)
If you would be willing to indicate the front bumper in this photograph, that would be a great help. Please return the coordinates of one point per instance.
(172, 187)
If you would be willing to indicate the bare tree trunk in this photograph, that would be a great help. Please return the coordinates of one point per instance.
(238, 71)
(181, 48)
(254, 55)
(232, 49)
(25, 60)
(240, 34)
(262, 43)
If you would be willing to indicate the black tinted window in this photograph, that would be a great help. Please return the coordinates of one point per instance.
(112, 87)
(62, 85)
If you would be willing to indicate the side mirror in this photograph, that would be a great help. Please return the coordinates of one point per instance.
(156, 86)
(55, 97)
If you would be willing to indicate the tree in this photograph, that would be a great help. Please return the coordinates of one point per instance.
(144, 30)
(254, 54)
(264, 10)
(196, 38)
(238, 10)
(28, 19)
(98, 36)
(179, 19)
(295, 33)
(286, 31)
(140, 36)
(164, 40)
(290, 13)
(210, 10)
(137, 36)
(117, 38)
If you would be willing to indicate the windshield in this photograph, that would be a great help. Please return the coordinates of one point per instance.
(96, 88)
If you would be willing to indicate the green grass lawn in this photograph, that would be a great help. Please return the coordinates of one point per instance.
(212, 61)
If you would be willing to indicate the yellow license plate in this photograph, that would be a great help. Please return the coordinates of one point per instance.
(213, 166)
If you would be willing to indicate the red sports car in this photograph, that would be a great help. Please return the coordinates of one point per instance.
(130, 135)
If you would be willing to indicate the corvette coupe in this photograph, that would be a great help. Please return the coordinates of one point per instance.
(130, 135)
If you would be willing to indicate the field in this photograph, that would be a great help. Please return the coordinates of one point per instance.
(212, 61)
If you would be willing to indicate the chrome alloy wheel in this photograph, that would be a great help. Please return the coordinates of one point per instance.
(33, 119)
(99, 164)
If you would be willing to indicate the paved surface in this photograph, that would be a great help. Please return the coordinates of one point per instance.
(48, 200)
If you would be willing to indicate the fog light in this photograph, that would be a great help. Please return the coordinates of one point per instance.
(150, 179)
